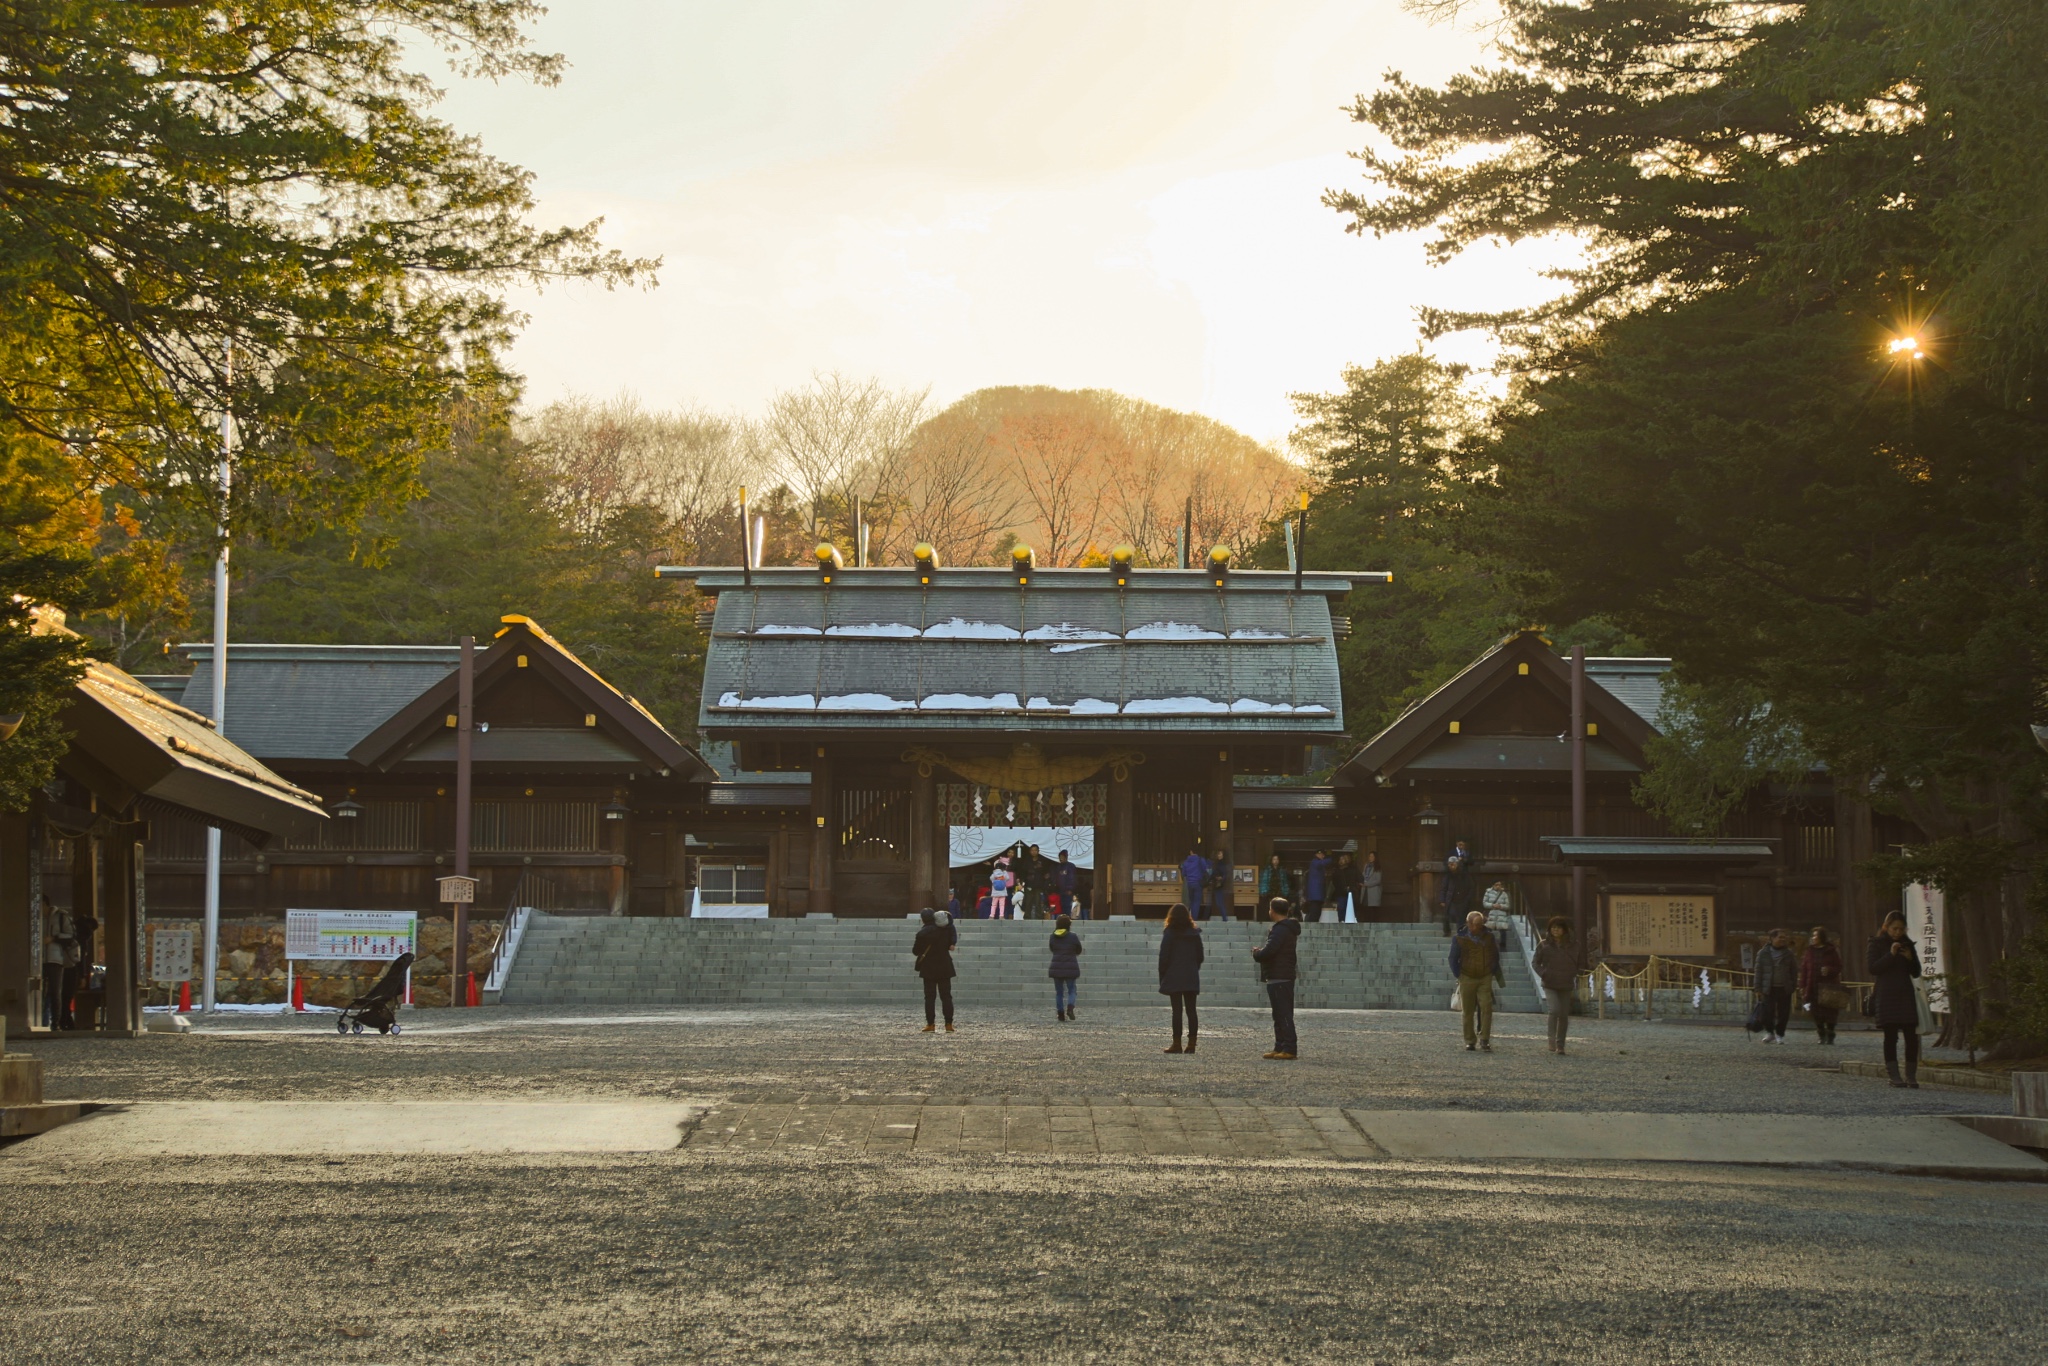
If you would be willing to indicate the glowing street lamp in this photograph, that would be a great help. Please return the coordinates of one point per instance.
(1906, 347)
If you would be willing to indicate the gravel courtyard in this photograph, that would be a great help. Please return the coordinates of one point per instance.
(802, 1253)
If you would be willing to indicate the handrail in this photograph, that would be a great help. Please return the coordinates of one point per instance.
(511, 930)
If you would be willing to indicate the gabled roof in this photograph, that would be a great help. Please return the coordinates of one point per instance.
(1422, 736)
(293, 703)
(1637, 682)
(129, 743)
(626, 734)
(1068, 653)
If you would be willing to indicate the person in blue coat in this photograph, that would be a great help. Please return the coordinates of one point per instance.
(1066, 966)
(1317, 888)
(1194, 876)
(1180, 973)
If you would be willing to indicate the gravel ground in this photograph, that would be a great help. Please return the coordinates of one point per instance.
(1364, 1059)
(799, 1256)
(674, 1257)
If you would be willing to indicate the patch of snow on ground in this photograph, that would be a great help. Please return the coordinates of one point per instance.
(1171, 630)
(1042, 704)
(1258, 633)
(773, 629)
(959, 628)
(876, 630)
(864, 701)
(1173, 706)
(1091, 706)
(961, 701)
(1254, 706)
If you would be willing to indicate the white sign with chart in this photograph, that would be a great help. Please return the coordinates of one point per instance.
(170, 955)
(349, 936)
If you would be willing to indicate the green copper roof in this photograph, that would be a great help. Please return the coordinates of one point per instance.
(1067, 653)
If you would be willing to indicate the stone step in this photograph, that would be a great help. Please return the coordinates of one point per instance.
(600, 960)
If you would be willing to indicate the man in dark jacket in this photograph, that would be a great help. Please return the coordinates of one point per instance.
(1777, 973)
(1475, 962)
(1276, 960)
(1456, 896)
(932, 952)
(1066, 880)
(1221, 886)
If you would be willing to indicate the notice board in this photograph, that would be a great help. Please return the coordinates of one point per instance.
(1676, 924)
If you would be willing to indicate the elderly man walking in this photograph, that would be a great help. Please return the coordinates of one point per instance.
(1475, 962)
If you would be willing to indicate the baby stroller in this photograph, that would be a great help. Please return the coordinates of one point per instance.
(377, 1007)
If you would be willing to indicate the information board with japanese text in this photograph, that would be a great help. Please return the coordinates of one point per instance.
(350, 935)
(1643, 923)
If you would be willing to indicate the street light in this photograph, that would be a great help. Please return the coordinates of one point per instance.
(1907, 346)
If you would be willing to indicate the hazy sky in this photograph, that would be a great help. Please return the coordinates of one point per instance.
(1120, 194)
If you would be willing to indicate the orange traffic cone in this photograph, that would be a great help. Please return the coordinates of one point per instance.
(298, 993)
(471, 998)
(184, 998)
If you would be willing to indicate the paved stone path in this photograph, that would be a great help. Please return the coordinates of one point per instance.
(1155, 1126)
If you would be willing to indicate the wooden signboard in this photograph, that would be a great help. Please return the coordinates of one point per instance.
(1676, 924)
(458, 889)
(1159, 884)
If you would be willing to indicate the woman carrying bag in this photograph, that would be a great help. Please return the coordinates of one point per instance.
(1820, 984)
(1180, 973)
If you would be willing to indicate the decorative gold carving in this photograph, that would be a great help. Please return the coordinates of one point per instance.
(1027, 768)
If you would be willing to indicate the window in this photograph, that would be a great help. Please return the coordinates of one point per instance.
(732, 884)
(539, 826)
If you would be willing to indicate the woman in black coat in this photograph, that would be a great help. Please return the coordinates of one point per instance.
(932, 951)
(1894, 963)
(1180, 972)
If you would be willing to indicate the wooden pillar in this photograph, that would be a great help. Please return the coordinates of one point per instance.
(21, 928)
(942, 857)
(923, 811)
(88, 913)
(120, 924)
(1120, 843)
(1855, 903)
(1429, 855)
(1220, 808)
(824, 831)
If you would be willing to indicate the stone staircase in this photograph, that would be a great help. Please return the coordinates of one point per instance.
(624, 961)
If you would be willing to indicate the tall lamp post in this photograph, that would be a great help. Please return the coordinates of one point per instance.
(220, 687)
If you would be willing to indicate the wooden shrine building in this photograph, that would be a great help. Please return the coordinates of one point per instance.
(920, 699)
(136, 763)
(577, 786)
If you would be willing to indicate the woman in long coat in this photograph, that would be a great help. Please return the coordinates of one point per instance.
(1821, 968)
(1369, 878)
(932, 951)
(1180, 973)
(1894, 963)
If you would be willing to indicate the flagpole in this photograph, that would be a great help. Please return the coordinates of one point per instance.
(220, 685)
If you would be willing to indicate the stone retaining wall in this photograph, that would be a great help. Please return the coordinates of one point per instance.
(252, 965)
